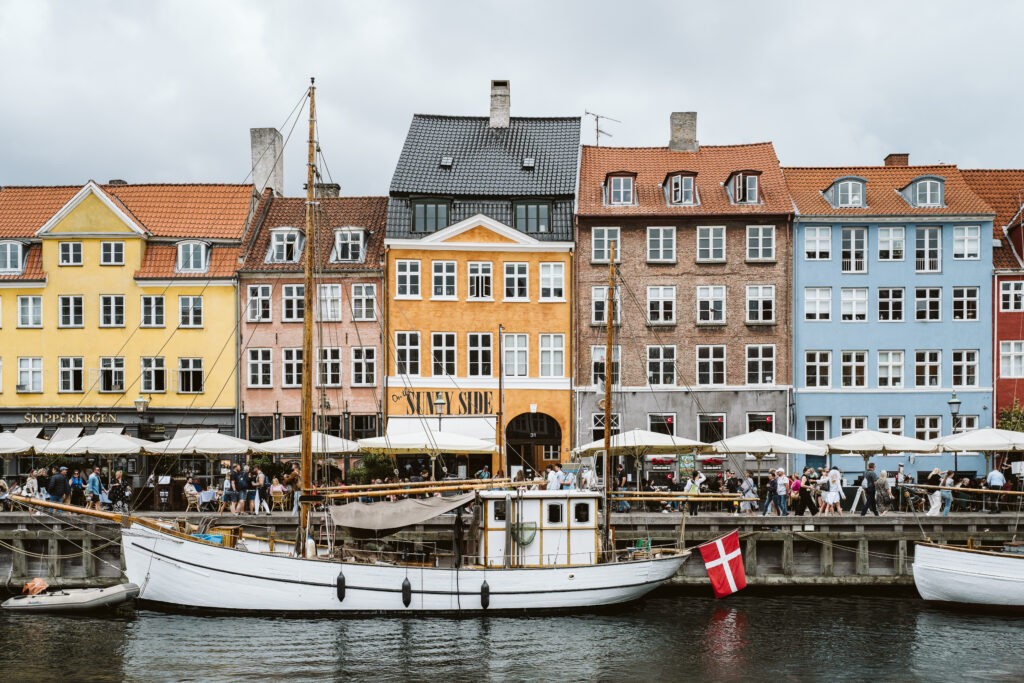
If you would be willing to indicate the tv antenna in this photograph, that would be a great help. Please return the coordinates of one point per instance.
(597, 126)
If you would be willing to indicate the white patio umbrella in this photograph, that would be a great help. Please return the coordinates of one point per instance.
(760, 443)
(427, 441)
(322, 443)
(205, 443)
(95, 444)
(868, 442)
(988, 440)
(15, 445)
(642, 442)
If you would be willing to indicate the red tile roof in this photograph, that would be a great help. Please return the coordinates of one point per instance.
(712, 164)
(33, 267)
(160, 259)
(882, 190)
(336, 212)
(1003, 189)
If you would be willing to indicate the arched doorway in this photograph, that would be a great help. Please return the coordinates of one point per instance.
(532, 440)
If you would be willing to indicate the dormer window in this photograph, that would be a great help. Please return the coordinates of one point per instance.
(850, 193)
(285, 246)
(928, 193)
(193, 257)
(745, 188)
(429, 215)
(620, 190)
(349, 245)
(10, 257)
(682, 189)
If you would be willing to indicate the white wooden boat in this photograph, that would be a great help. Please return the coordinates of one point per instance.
(73, 600)
(950, 574)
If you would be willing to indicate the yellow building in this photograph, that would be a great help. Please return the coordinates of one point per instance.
(479, 340)
(118, 306)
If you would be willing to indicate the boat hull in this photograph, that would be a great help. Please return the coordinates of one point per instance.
(77, 600)
(179, 573)
(968, 577)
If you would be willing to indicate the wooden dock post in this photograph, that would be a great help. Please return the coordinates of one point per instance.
(863, 559)
(827, 562)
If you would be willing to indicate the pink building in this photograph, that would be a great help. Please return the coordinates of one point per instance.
(347, 320)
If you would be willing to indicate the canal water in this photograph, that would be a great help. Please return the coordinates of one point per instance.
(669, 636)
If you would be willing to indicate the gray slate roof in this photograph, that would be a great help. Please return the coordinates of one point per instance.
(488, 161)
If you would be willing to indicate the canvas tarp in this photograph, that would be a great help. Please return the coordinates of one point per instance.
(386, 518)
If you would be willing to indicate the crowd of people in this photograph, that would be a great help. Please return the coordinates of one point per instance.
(81, 488)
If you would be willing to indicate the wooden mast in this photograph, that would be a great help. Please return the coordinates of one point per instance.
(308, 361)
(609, 312)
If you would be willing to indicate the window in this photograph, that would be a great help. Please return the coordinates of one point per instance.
(850, 424)
(602, 240)
(1011, 359)
(928, 250)
(364, 302)
(927, 366)
(330, 302)
(480, 280)
(711, 365)
(258, 308)
(442, 354)
(890, 304)
(711, 305)
(293, 303)
(597, 425)
(965, 303)
(153, 311)
(112, 310)
(854, 366)
(552, 355)
(1011, 296)
(190, 311)
(70, 254)
(661, 365)
(112, 374)
(763, 421)
(928, 303)
(10, 257)
(154, 375)
(620, 190)
(71, 311)
(967, 423)
(285, 246)
(744, 188)
(30, 311)
(444, 279)
(261, 372)
(818, 243)
(662, 423)
(891, 424)
(597, 366)
(30, 375)
(854, 304)
(516, 355)
(817, 303)
(661, 245)
(191, 257)
(760, 304)
(364, 426)
(364, 366)
(581, 513)
(890, 369)
(854, 256)
(891, 242)
(926, 427)
(532, 217)
(760, 364)
(710, 427)
(817, 428)
(760, 242)
(190, 375)
(711, 243)
(661, 305)
(599, 306)
(407, 279)
(111, 253)
(407, 353)
(965, 367)
(681, 190)
(348, 246)
(291, 425)
(818, 369)
(479, 347)
(517, 282)
(928, 193)
(552, 282)
(329, 372)
(291, 362)
(555, 513)
(429, 216)
(71, 375)
(850, 193)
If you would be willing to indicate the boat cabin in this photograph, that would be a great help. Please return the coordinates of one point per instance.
(539, 528)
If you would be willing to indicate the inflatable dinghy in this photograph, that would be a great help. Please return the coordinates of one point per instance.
(74, 600)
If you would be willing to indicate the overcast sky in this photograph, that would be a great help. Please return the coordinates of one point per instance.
(167, 91)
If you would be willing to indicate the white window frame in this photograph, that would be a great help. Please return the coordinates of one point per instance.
(711, 360)
(444, 280)
(760, 305)
(73, 318)
(364, 366)
(928, 249)
(928, 305)
(190, 315)
(682, 190)
(12, 257)
(349, 245)
(597, 356)
(963, 298)
(892, 243)
(853, 369)
(928, 192)
(516, 358)
(825, 428)
(286, 245)
(661, 305)
(927, 427)
(480, 281)
(293, 303)
(818, 243)
(761, 243)
(112, 253)
(112, 313)
(760, 359)
(552, 355)
(891, 424)
(407, 353)
(894, 296)
(30, 311)
(193, 257)
(966, 366)
(407, 279)
(854, 250)
(444, 354)
(818, 368)
(817, 304)
(661, 365)
(1011, 359)
(599, 305)
(259, 304)
(1011, 295)
(329, 367)
(260, 360)
(853, 304)
(150, 368)
(69, 253)
(929, 360)
(848, 424)
(853, 199)
(70, 368)
(620, 190)
(890, 368)
(364, 302)
(30, 375)
(152, 310)
(661, 244)
(186, 368)
(552, 281)
(114, 365)
(479, 346)
(291, 367)
(518, 273)
(966, 243)
(711, 304)
(329, 299)
(601, 239)
(712, 237)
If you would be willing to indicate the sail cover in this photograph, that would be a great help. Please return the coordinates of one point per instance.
(386, 518)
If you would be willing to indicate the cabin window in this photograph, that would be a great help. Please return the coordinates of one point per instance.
(581, 513)
(499, 510)
(555, 513)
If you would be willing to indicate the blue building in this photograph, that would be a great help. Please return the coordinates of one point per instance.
(892, 270)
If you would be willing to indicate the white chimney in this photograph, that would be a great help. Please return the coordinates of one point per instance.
(683, 135)
(500, 103)
(267, 159)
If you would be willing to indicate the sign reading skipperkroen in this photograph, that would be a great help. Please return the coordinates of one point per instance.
(69, 418)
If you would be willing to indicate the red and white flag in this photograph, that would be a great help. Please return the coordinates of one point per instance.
(724, 562)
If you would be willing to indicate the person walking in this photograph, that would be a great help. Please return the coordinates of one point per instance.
(94, 489)
(868, 485)
(883, 497)
(934, 496)
(693, 486)
(58, 487)
(769, 494)
(748, 489)
(806, 500)
(947, 493)
(782, 486)
(77, 485)
(995, 481)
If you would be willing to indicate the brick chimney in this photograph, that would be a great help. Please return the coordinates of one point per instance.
(501, 101)
(267, 159)
(897, 159)
(683, 131)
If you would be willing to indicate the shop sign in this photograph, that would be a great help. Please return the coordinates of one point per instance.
(455, 402)
(69, 418)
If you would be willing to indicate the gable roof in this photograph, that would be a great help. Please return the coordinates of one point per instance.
(713, 165)
(882, 191)
(488, 161)
(1003, 189)
(91, 189)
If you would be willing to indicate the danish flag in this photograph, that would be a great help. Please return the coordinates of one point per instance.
(724, 562)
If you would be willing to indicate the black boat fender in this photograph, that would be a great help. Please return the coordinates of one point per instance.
(341, 586)
(485, 595)
(406, 592)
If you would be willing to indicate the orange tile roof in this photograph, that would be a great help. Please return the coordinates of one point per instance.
(176, 211)
(712, 164)
(33, 267)
(882, 190)
(1003, 189)
(160, 259)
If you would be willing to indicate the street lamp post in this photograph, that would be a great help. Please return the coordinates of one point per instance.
(439, 404)
(954, 412)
